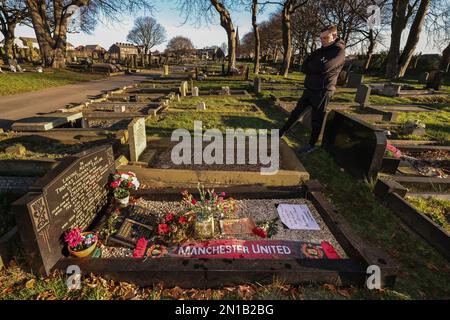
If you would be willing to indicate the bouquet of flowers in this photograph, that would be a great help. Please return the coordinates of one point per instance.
(175, 227)
(78, 241)
(122, 183)
(266, 229)
(209, 205)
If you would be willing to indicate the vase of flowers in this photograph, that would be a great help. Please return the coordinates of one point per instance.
(210, 207)
(80, 244)
(122, 183)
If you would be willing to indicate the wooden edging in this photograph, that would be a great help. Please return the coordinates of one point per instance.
(211, 273)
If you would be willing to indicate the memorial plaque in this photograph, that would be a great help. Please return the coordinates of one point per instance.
(137, 138)
(69, 196)
(137, 222)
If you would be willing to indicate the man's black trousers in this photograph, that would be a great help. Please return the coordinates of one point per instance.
(318, 100)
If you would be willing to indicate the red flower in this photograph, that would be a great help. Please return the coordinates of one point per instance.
(223, 194)
(259, 232)
(130, 184)
(163, 228)
(139, 250)
(169, 217)
(194, 202)
(114, 184)
(182, 220)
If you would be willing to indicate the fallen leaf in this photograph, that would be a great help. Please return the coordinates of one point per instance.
(330, 287)
(432, 266)
(344, 293)
(30, 284)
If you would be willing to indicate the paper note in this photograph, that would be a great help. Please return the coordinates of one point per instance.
(297, 216)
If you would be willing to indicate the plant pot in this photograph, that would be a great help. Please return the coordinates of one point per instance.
(204, 228)
(86, 252)
(124, 201)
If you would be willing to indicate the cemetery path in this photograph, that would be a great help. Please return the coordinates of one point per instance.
(28, 104)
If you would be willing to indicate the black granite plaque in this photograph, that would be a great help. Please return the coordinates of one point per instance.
(69, 196)
(355, 145)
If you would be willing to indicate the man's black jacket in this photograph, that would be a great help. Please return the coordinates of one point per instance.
(322, 67)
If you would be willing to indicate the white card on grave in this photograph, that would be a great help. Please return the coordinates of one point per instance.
(297, 216)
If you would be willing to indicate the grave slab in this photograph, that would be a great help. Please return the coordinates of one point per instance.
(45, 122)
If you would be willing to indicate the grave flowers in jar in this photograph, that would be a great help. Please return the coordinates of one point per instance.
(80, 244)
(208, 209)
(121, 184)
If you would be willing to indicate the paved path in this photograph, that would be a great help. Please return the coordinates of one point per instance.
(28, 104)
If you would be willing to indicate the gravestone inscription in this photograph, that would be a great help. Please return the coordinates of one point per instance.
(69, 196)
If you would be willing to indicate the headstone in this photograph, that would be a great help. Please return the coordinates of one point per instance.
(354, 80)
(354, 144)
(201, 106)
(39, 70)
(423, 78)
(191, 82)
(391, 90)
(363, 95)
(69, 196)
(415, 128)
(118, 108)
(247, 73)
(183, 89)
(434, 80)
(137, 138)
(257, 85)
(342, 78)
(178, 97)
(166, 70)
(195, 92)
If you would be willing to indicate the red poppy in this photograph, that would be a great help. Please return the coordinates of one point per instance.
(169, 217)
(182, 220)
(114, 184)
(163, 228)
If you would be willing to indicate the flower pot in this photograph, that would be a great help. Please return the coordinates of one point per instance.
(124, 201)
(204, 228)
(83, 253)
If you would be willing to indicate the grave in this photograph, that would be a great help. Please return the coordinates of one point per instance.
(46, 122)
(137, 138)
(69, 196)
(195, 92)
(355, 145)
(233, 259)
(363, 95)
(342, 78)
(257, 85)
(393, 195)
(391, 90)
(201, 106)
(354, 80)
(162, 171)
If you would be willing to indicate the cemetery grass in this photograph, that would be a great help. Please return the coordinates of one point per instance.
(436, 209)
(14, 83)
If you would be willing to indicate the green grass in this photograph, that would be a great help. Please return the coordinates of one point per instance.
(14, 83)
(436, 209)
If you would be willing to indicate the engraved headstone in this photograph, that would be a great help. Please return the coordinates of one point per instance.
(257, 85)
(363, 95)
(354, 80)
(434, 80)
(195, 92)
(166, 70)
(137, 138)
(69, 196)
(201, 106)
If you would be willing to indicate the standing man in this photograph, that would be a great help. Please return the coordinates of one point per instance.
(322, 69)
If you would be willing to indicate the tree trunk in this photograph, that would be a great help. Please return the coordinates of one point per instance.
(445, 60)
(227, 24)
(413, 37)
(257, 37)
(369, 50)
(398, 63)
(9, 43)
(287, 39)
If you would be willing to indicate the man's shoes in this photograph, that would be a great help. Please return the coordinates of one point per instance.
(307, 149)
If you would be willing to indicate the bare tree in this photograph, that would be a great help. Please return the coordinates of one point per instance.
(147, 33)
(402, 14)
(203, 10)
(180, 46)
(12, 12)
(51, 19)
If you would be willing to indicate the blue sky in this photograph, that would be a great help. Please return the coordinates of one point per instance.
(167, 15)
